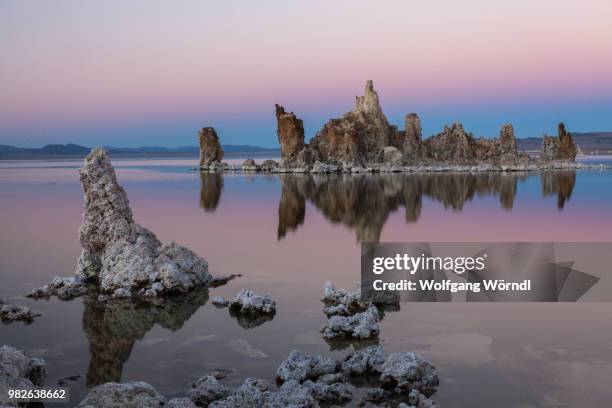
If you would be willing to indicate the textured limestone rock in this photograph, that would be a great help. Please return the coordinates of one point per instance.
(290, 132)
(360, 326)
(358, 136)
(338, 143)
(453, 144)
(207, 389)
(335, 393)
(119, 256)
(219, 301)
(180, 403)
(392, 155)
(363, 361)
(210, 148)
(127, 395)
(507, 141)
(249, 165)
(269, 165)
(300, 367)
(561, 147)
(248, 302)
(19, 371)
(408, 371)
(13, 313)
(411, 145)
(249, 394)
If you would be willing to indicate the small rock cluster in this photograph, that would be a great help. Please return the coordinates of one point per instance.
(311, 381)
(249, 309)
(248, 302)
(19, 371)
(13, 313)
(348, 317)
(120, 258)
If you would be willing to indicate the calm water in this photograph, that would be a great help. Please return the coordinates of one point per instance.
(288, 234)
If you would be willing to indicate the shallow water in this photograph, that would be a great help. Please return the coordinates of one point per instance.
(288, 234)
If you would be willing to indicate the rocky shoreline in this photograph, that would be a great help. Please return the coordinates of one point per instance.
(363, 141)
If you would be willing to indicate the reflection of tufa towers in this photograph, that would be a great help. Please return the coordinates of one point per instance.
(364, 202)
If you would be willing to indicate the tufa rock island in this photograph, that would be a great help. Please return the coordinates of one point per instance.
(363, 140)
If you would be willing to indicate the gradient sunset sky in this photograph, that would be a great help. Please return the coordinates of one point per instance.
(132, 73)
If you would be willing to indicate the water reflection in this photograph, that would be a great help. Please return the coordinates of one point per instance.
(112, 329)
(211, 185)
(364, 202)
(559, 182)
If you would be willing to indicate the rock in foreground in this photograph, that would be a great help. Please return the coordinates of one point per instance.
(19, 371)
(128, 395)
(120, 257)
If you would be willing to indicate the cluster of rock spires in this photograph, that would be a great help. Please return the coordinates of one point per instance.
(363, 140)
(119, 257)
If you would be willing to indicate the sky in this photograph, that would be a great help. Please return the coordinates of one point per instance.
(149, 72)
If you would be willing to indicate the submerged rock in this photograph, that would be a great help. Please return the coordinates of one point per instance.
(135, 394)
(211, 152)
(248, 302)
(119, 256)
(13, 313)
(19, 371)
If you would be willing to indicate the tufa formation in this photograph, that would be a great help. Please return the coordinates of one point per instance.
(211, 152)
(363, 140)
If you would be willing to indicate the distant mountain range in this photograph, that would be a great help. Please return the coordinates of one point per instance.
(589, 143)
(71, 150)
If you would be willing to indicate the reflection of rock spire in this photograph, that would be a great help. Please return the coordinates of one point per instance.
(559, 182)
(292, 205)
(211, 186)
(113, 328)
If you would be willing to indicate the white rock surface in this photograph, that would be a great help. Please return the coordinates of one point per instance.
(127, 395)
(300, 367)
(19, 371)
(248, 302)
(408, 371)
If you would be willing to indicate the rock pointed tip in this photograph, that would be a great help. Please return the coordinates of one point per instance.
(369, 85)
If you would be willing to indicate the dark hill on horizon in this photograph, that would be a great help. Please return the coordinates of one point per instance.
(74, 151)
(589, 143)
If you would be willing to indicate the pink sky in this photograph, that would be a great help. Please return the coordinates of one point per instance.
(73, 67)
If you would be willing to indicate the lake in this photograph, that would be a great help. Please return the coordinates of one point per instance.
(287, 235)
